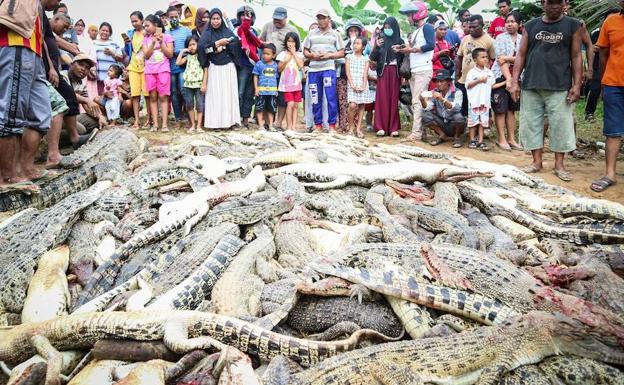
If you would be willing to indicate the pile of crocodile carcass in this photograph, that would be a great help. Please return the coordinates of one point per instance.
(290, 258)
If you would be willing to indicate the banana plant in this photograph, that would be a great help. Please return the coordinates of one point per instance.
(592, 11)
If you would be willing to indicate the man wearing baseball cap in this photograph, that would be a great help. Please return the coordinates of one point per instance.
(322, 47)
(275, 32)
(79, 69)
(442, 110)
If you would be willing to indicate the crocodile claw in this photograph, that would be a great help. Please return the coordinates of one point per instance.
(359, 291)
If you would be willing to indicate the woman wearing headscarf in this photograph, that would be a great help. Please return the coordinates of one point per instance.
(218, 51)
(387, 120)
(202, 18)
(190, 13)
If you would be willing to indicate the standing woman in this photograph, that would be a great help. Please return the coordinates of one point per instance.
(220, 83)
(506, 46)
(387, 120)
(136, 66)
(202, 18)
(108, 53)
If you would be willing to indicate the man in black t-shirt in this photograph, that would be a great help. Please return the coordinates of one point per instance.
(550, 56)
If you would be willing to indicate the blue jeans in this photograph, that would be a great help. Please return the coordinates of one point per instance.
(177, 83)
(245, 90)
(323, 85)
(613, 111)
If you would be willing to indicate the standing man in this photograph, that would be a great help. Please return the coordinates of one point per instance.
(275, 32)
(550, 56)
(498, 25)
(322, 47)
(179, 34)
(611, 44)
(419, 47)
(24, 103)
(476, 39)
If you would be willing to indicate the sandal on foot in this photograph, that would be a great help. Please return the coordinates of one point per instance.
(516, 147)
(67, 163)
(564, 175)
(504, 146)
(381, 133)
(395, 134)
(483, 146)
(458, 143)
(165, 129)
(602, 184)
(531, 169)
(359, 134)
(435, 141)
(472, 144)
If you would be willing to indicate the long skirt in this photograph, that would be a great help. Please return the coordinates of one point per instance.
(387, 101)
(222, 108)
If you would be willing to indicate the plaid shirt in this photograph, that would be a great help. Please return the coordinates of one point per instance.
(80, 87)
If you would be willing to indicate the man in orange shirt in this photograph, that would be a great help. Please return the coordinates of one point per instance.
(611, 44)
(24, 104)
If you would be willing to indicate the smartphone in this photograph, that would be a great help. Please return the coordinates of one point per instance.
(427, 95)
(231, 38)
(125, 37)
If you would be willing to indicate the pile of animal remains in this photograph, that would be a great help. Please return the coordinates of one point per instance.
(286, 258)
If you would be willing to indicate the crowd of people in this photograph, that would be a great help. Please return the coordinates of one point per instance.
(211, 72)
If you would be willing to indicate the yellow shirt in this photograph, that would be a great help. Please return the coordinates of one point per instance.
(137, 62)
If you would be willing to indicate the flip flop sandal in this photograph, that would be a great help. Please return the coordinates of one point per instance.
(504, 147)
(46, 175)
(395, 134)
(458, 143)
(69, 163)
(564, 175)
(165, 129)
(602, 184)
(483, 147)
(531, 169)
(436, 142)
(82, 140)
(473, 144)
(516, 147)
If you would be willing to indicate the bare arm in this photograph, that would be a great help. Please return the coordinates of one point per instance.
(589, 52)
(282, 63)
(365, 80)
(337, 55)
(148, 50)
(309, 54)
(66, 46)
(577, 67)
(604, 57)
(514, 89)
(167, 49)
(474, 83)
(181, 60)
(255, 78)
(299, 60)
(348, 71)
(204, 85)
(459, 62)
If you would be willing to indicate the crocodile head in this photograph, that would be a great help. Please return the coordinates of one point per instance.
(575, 337)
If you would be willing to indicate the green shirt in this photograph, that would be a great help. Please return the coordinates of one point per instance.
(194, 73)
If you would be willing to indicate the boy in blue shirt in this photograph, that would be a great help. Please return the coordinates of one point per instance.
(265, 83)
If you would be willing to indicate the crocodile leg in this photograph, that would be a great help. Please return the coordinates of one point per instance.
(337, 183)
(338, 330)
(53, 357)
(415, 318)
(176, 338)
(139, 299)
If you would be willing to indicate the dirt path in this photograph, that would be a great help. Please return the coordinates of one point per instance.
(584, 171)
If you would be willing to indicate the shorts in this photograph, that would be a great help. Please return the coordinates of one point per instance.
(193, 99)
(138, 85)
(534, 106)
(24, 97)
(160, 82)
(429, 118)
(68, 93)
(112, 108)
(294, 96)
(502, 101)
(613, 98)
(57, 103)
(281, 99)
(479, 116)
(266, 103)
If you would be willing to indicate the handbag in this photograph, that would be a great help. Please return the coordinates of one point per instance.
(19, 16)
(446, 62)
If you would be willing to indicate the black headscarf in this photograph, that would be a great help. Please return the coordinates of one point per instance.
(384, 54)
(208, 52)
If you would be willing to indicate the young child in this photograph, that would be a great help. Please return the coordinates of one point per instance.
(265, 84)
(158, 49)
(113, 85)
(193, 76)
(479, 84)
(358, 93)
(291, 62)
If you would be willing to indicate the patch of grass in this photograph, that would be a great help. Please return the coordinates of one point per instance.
(589, 131)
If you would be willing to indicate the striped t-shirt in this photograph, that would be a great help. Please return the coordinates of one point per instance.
(325, 42)
(9, 38)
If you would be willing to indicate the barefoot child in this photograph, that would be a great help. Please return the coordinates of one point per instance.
(193, 76)
(291, 62)
(358, 93)
(265, 84)
(479, 84)
(112, 85)
(158, 49)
